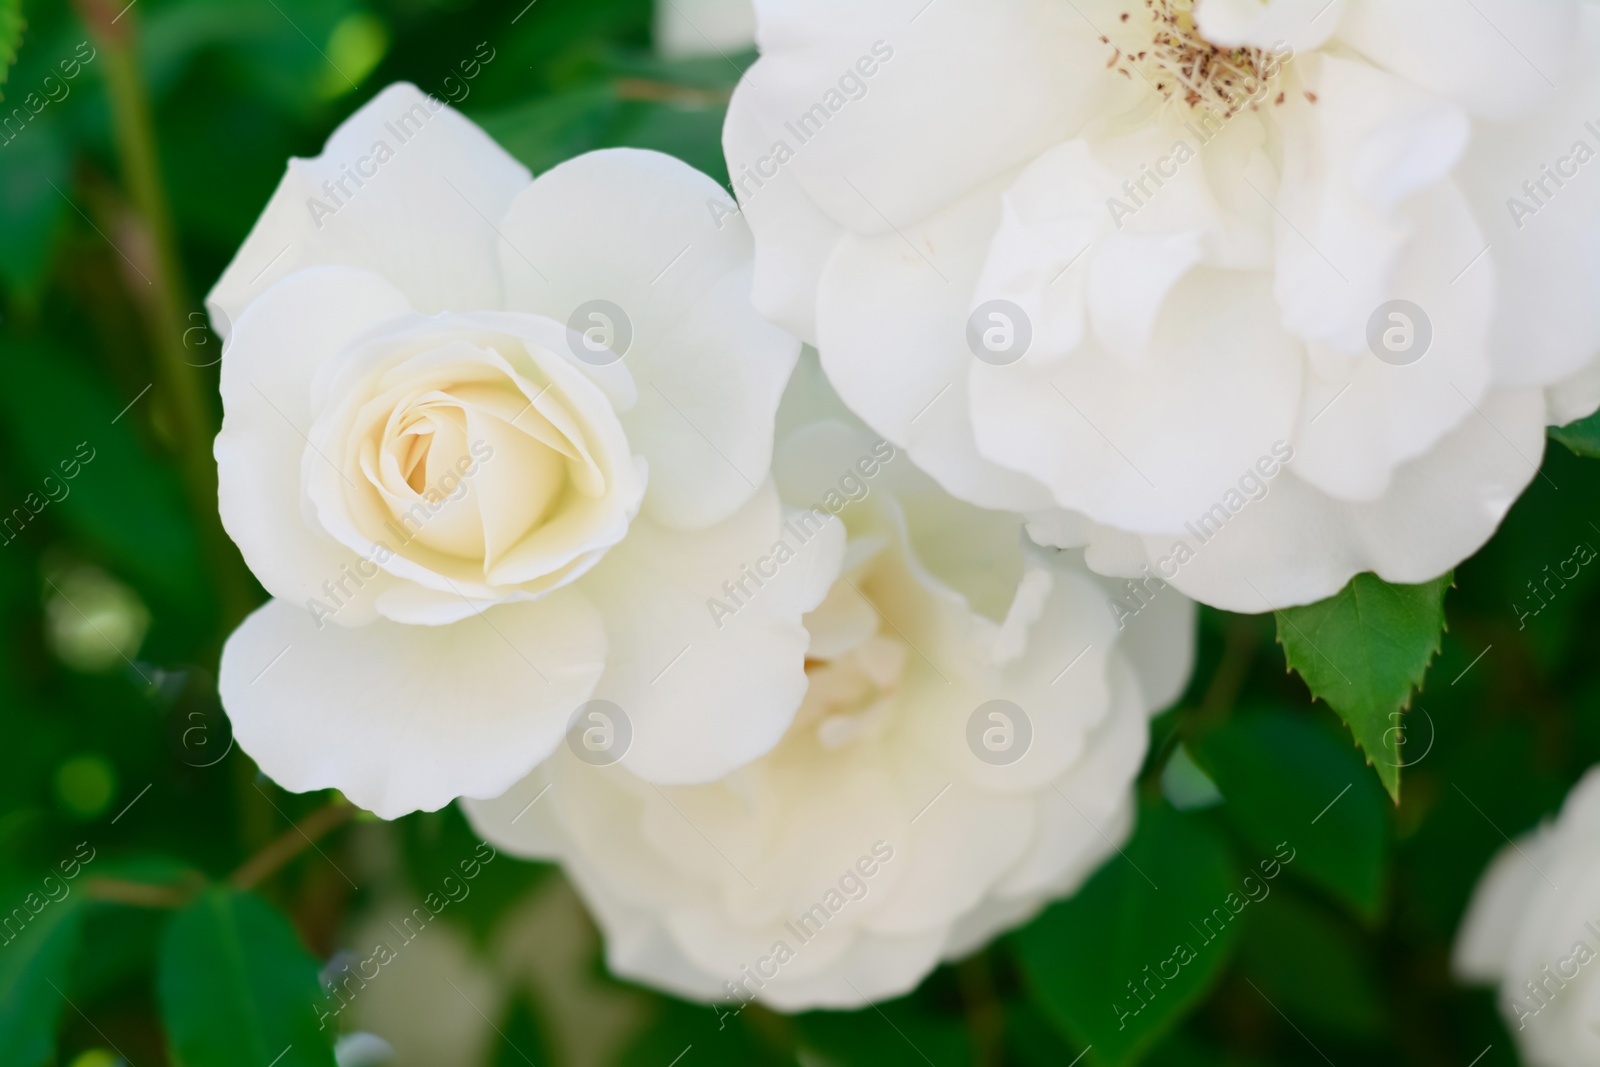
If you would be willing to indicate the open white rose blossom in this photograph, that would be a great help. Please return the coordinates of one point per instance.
(1109, 262)
(1533, 929)
(964, 754)
(481, 432)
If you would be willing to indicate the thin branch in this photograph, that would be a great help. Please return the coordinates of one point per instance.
(291, 843)
(144, 894)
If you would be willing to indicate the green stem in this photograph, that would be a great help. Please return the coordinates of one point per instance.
(164, 297)
(985, 1017)
(251, 873)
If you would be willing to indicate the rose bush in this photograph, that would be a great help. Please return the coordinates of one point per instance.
(964, 754)
(1533, 929)
(477, 428)
(1100, 274)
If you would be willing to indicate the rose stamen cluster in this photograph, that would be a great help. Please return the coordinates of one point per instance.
(1179, 63)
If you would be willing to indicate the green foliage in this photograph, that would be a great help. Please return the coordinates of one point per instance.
(121, 500)
(716, 1036)
(11, 26)
(1582, 437)
(522, 1038)
(1101, 962)
(896, 1031)
(1287, 779)
(36, 979)
(237, 988)
(1311, 967)
(1364, 650)
(1347, 952)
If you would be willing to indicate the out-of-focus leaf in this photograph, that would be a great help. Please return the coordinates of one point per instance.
(440, 845)
(693, 133)
(1032, 1040)
(74, 437)
(1119, 963)
(30, 210)
(521, 1039)
(554, 43)
(1287, 779)
(1309, 967)
(714, 1035)
(1582, 437)
(1364, 650)
(547, 131)
(35, 970)
(11, 26)
(896, 1031)
(237, 989)
(278, 51)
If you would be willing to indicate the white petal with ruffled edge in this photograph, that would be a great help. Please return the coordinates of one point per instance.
(1497, 57)
(1297, 546)
(705, 690)
(1031, 68)
(636, 229)
(892, 337)
(428, 190)
(273, 356)
(401, 718)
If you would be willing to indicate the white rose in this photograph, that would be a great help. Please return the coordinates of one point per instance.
(1199, 222)
(1533, 929)
(965, 754)
(687, 29)
(477, 430)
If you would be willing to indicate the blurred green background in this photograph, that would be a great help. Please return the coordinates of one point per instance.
(139, 144)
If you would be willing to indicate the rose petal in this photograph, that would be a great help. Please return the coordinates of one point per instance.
(423, 218)
(406, 718)
(277, 346)
(707, 692)
(635, 228)
(1297, 546)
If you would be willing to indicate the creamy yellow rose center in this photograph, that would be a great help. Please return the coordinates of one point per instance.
(486, 459)
(854, 686)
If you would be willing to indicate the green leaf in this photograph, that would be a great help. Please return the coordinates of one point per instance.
(439, 844)
(90, 472)
(11, 26)
(719, 1035)
(30, 210)
(1363, 651)
(553, 129)
(1582, 437)
(1285, 778)
(521, 1037)
(1094, 962)
(30, 1006)
(895, 1031)
(1310, 966)
(237, 989)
